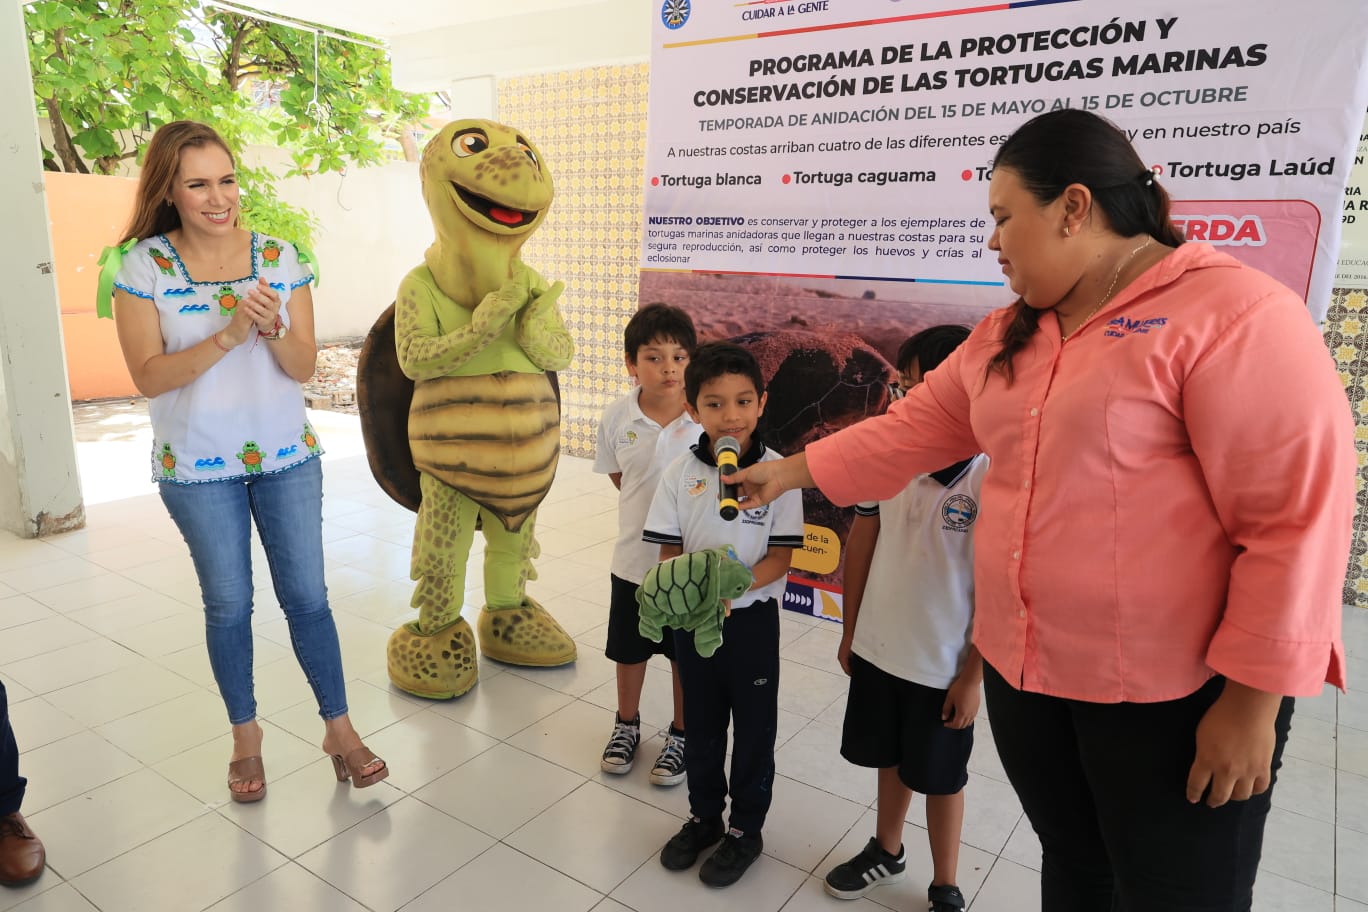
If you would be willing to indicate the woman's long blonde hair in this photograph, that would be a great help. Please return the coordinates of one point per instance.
(153, 214)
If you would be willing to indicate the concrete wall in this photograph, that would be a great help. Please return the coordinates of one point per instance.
(372, 229)
(86, 212)
(608, 32)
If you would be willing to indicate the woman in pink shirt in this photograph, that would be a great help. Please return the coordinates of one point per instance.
(1165, 525)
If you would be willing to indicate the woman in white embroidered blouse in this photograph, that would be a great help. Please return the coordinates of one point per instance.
(216, 325)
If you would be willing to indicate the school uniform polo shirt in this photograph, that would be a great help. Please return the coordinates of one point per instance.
(917, 611)
(632, 443)
(684, 512)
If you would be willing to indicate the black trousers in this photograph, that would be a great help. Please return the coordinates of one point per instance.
(738, 684)
(11, 783)
(1104, 786)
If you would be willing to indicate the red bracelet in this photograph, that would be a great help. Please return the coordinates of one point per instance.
(277, 331)
(221, 346)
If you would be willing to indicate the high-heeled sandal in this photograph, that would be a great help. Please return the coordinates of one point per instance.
(248, 769)
(353, 765)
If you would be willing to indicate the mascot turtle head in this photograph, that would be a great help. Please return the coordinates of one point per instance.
(480, 176)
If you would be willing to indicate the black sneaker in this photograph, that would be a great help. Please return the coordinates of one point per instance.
(669, 766)
(621, 749)
(684, 847)
(736, 853)
(945, 898)
(873, 867)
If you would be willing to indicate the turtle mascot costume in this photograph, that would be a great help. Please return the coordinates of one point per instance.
(475, 332)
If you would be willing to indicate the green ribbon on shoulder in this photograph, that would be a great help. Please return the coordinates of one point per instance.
(111, 260)
(306, 258)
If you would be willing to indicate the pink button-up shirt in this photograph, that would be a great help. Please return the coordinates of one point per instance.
(1171, 492)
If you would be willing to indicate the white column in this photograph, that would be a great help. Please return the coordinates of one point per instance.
(40, 489)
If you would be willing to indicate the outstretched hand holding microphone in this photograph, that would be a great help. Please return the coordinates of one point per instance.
(763, 482)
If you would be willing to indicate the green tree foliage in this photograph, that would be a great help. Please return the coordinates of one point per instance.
(106, 73)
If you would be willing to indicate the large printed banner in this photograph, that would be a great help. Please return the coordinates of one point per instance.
(854, 138)
(1353, 254)
(817, 170)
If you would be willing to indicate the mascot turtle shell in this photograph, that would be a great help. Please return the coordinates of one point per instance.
(383, 397)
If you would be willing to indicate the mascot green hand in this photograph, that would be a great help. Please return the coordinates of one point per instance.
(688, 592)
(476, 330)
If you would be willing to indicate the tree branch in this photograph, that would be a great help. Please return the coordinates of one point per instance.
(291, 61)
(106, 164)
(232, 68)
(61, 140)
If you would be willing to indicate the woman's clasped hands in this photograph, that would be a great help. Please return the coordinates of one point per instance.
(259, 308)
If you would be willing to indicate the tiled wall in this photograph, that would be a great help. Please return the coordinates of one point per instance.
(1346, 333)
(591, 127)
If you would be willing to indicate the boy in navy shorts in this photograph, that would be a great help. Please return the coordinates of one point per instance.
(739, 683)
(914, 674)
(638, 435)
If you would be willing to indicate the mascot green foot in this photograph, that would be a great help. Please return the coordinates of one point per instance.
(525, 635)
(438, 666)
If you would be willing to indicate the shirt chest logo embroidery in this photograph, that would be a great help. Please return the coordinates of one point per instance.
(695, 485)
(627, 439)
(755, 517)
(958, 513)
(1125, 326)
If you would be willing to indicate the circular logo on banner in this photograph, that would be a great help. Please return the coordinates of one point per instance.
(674, 13)
(959, 512)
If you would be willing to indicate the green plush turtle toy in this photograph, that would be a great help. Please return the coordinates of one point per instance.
(688, 592)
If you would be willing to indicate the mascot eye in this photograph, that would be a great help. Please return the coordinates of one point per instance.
(527, 150)
(468, 143)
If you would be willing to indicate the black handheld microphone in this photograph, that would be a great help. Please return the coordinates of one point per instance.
(727, 453)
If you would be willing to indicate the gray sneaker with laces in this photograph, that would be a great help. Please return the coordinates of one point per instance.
(622, 746)
(669, 766)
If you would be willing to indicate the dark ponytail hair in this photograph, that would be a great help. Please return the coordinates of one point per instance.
(1054, 150)
(930, 347)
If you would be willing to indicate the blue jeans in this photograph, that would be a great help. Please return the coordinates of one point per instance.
(215, 519)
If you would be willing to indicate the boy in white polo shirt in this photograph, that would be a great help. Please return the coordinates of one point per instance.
(638, 436)
(739, 683)
(914, 674)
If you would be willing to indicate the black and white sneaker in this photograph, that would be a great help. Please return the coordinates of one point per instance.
(669, 766)
(873, 867)
(622, 746)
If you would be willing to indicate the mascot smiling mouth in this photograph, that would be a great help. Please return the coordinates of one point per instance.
(501, 215)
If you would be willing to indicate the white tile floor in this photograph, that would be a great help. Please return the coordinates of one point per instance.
(496, 801)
